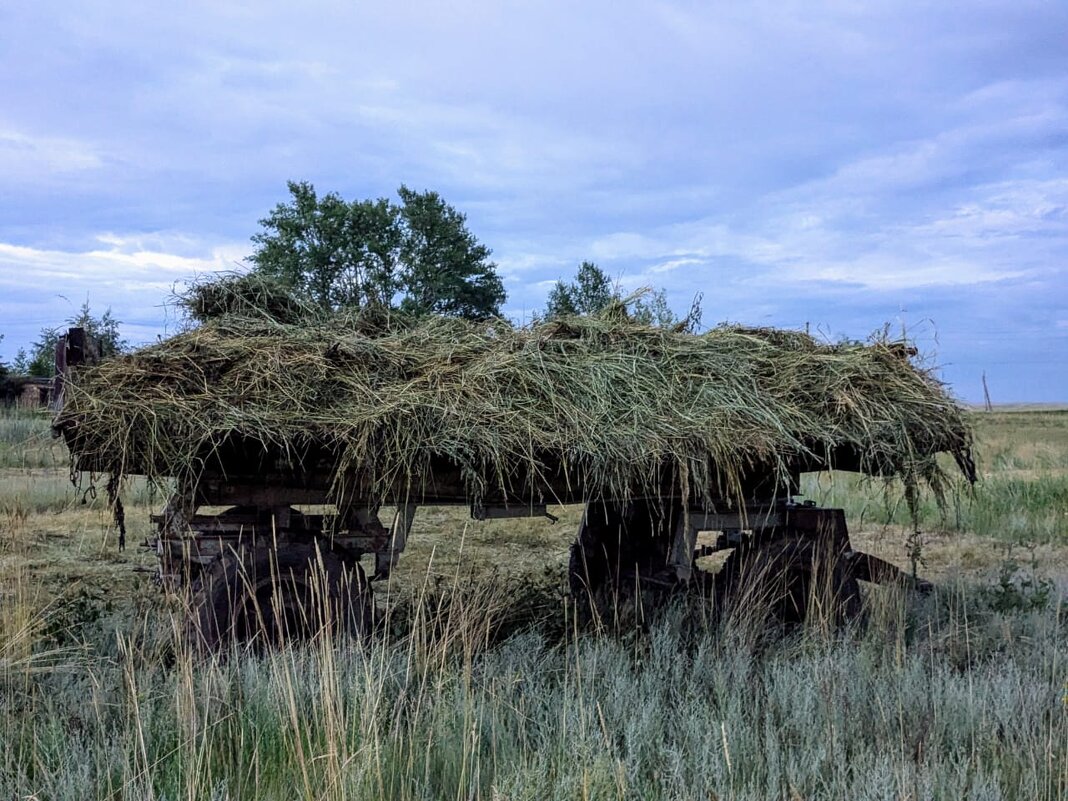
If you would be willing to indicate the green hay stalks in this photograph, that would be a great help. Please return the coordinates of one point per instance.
(597, 407)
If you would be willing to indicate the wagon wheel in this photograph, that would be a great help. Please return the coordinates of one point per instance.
(263, 598)
(788, 580)
(616, 564)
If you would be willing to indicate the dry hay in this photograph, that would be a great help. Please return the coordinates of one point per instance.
(602, 403)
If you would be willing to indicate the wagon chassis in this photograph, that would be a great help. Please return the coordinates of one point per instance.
(239, 544)
(783, 556)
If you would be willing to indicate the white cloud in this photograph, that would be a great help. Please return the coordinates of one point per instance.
(42, 287)
(674, 264)
(24, 156)
(629, 245)
(890, 273)
(967, 244)
(33, 268)
(488, 149)
(869, 149)
(514, 263)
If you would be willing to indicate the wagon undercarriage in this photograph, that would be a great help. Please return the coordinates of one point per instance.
(278, 530)
(254, 557)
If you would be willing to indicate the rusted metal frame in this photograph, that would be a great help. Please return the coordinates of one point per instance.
(223, 493)
(870, 568)
(683, 549)
(386, 558)
(829, 526)
(499, 512)
(190, 541)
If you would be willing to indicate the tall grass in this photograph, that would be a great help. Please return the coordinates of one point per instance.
(31, 492)
(1003, 507)
(475, 690)
(35, 471)
(944, 699)
(1022, 494)
(26, 440)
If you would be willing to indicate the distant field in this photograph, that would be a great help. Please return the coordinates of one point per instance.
(1022, 407)
(480, 687)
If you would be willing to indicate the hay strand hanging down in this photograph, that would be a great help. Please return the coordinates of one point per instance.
(607, 402)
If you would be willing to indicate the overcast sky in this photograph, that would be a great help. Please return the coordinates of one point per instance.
(842, 165)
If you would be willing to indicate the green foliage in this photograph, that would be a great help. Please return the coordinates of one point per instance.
(374, 253)
(40, 361)
(653, 309)
(21, 365)
(337, 253)
(592, 292)
(1019, 587)
(445, 269)
(78, 614)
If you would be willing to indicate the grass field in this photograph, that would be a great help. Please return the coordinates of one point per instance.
(479, 684)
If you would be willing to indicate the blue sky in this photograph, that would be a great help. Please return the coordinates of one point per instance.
(845, 165)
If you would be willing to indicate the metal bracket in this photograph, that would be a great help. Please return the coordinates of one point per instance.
(480, 512)
(386, 560)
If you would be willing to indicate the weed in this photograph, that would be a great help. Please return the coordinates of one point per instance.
(1019, 587)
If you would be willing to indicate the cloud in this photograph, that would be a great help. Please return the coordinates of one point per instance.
(891, 274)
(24, 156)
(911, 216)
(491, 150)
(1010, 209)
(125, 263)
(514, 264)
(790, 159)
(674, 264)
(40, 288)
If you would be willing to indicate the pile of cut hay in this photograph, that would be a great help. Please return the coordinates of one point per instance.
(607, 403)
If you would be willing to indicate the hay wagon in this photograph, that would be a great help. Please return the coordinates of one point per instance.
(268, 515)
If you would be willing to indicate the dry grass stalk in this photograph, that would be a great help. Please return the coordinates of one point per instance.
(605, 404)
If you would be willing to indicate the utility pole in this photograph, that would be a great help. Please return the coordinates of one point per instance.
(986, 394)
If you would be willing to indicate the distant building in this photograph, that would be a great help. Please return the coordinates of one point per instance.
(26, 392)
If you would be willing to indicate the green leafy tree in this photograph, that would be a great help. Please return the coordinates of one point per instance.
(589, 293)
(419, 254)
(592, 291)
(21, 364)
(446, 270)
(653, 309)
(337, 253)
(41, 359)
